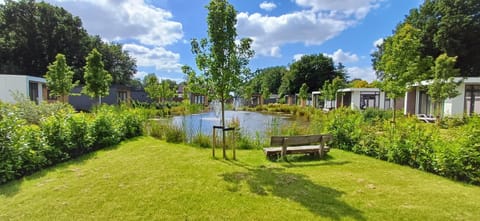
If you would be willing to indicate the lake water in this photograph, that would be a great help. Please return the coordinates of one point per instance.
(251, 123)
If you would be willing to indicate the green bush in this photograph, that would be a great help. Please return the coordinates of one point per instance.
(81, 136)
(107, 128)
(344, 124)
(174, 134)
(56, 131)
(202, 140)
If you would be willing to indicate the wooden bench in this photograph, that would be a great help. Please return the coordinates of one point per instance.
(307, 144)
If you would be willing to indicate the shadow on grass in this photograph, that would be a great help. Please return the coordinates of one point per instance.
(321, 200)
(11, 188)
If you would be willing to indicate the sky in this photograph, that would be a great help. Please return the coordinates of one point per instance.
(157, 33)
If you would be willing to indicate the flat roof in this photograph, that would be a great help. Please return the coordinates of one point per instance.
(359, 90)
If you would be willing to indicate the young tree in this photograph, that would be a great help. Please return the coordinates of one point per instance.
(443, 85)
(303, 94)
(59, 78)
(401, 62)
(97, 79)
(329, 90)
(152, 87)
(220, 57)
(166, 90)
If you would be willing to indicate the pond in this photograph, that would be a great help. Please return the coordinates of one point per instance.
(251, 123)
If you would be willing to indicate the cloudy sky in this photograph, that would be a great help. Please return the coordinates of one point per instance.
(157, 32)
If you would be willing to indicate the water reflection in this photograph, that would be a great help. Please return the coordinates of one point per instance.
(251, 123)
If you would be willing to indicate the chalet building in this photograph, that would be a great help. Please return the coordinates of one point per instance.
(417, 101)
(34, 88)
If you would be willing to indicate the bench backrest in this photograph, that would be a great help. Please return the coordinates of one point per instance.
(298, 140)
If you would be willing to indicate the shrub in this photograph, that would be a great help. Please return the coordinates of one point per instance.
(132, 122)
(106, 128)
(174, 134)
(56, 131)
(80, 136)
(343, 125)
(202, 140)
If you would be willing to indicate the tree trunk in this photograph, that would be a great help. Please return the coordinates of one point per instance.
(394, 107)
(99, 100)
(223, 129)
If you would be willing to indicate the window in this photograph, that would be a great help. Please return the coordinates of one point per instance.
(33, 91)
(472, 99)
(424, 103)
(369, 99)
(122, 96)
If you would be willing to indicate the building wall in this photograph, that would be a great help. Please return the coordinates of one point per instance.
(455, 106)
(10, 84)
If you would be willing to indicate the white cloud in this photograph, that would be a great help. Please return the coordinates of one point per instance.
(137, 21)
(157, 57)
(297, 57)
(378, 42)
(268, 6)
(365, 73)
(125, 19)
(320, 21)
(269, 33)
(343, 57)
(357, 8)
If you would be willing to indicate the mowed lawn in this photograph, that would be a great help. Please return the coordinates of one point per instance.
(148, 179)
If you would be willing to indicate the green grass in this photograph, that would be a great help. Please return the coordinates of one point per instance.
(148, 179)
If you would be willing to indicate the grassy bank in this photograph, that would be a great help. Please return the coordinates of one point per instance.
(148, 179)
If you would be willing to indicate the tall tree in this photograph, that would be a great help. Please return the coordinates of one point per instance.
(97, 79)
(60, 78)
(452, 27)
(313, 70)
(220, 57)
(443, 85)
(401, 62)
(33, 33)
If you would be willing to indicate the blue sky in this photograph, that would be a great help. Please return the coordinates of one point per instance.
(157, 32)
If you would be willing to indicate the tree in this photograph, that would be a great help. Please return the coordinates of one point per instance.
(303, 93)
(196, 84)
(59, 78)
(313, 70)
(329, 89)
(401, 62)
(33, 33)
(159, 91)
(97, 79)
(220, 57)
(166, 90)
(152, 87)
(359, 83)
(443, 85)
(452, 27)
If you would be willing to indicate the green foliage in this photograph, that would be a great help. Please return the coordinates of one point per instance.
(107, 127)
(329, 89)
(202, 140)
(97, 79)
(446, 27)
(313, 70)
(59, 78)
(60, 135)
(160, 91)
(223, 61)
(31, 112)
(175, 134)
(443, 85)
(303, 93)
(32, 33)
(409, 142)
